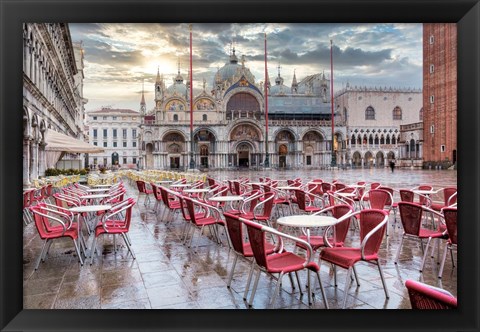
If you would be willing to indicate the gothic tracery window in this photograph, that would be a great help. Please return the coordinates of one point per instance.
(370, 113)
(397, 113)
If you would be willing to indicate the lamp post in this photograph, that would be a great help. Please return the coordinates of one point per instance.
(334, 157)
(192, 161)
(267, 160)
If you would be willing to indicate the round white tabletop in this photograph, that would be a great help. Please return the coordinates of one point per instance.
(164, 181)
(314, 182)
(354, 185)
(257, 183)
(98, 190)
(424, 192)
(307, 221)
(94, 196)
(196, 190)
(226, 198)
(103, 185)
(287, 188)
(180, 185)
(90, 208)
(346, 194)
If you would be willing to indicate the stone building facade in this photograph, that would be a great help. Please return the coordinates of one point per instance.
(229, 122)
(440, 94)
(373, 117)
(116, 131)
(52, 91)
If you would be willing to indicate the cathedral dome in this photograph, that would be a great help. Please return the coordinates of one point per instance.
(178, 87)
(279, 88)
(232, 70)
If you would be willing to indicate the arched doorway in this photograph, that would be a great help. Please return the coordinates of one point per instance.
(390, 155)
(356, 159)
(379, 159)
(282, 155)
(204, 156)
(243, 154)
(174, 144)
(368, 159)
(244, 133)
(204, 141)
(285, 142)
(114, 159)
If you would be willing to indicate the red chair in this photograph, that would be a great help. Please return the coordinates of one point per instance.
(372, 228)
(411, 216)
(449, 198)
(143, 190)
(262, 212)
(282, 262)
(450, 214)
(211, 217)
(27, 218)
(340, 229)
(45, 218)
(406, 195)
(241, 248)
(302, 202)
(423, 296)
(114, 224)
(157, 194)
(171, 204)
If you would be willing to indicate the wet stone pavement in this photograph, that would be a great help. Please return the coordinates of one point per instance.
(168, 274)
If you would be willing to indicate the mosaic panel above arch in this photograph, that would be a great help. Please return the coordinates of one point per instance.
(173, 137)
(244, 131)
(285, 135)
(204, 104)
(175, 105)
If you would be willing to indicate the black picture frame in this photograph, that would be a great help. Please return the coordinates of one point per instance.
(466, 13)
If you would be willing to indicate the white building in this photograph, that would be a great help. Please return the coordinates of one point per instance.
(115, 130)
(373, 117)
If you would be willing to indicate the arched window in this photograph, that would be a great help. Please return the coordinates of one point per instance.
(388, 140)
(369, 113)
(243, 101)
(420, 114)
(397, 113)
(376, 140)
(394, 141)
(382, 140)
(175, 117)
(204, 117)
(370, 140)
(352, 142)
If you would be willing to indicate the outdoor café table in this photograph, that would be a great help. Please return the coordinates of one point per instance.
(228, 199)
(95, 196)
(103, 185)
(314, 182)
(257, 183)
(87, 209)
(180, 185)
(306, 222)
(163, 182)
(287, 188)
(425, 192)
(98, 190)
(346, 194)
(197, 190)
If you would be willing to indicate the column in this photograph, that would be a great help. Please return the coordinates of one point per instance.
(33, 160)
(26, 162)
(42, 158)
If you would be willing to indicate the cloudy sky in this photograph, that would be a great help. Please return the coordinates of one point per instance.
(119, 57)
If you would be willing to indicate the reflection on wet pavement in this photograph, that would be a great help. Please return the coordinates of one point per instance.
(167, 274)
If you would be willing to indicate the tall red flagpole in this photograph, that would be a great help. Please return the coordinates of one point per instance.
(192, 162)
(334, 157)
(267, 158)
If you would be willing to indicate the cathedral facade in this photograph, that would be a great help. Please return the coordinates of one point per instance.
(229, 123)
